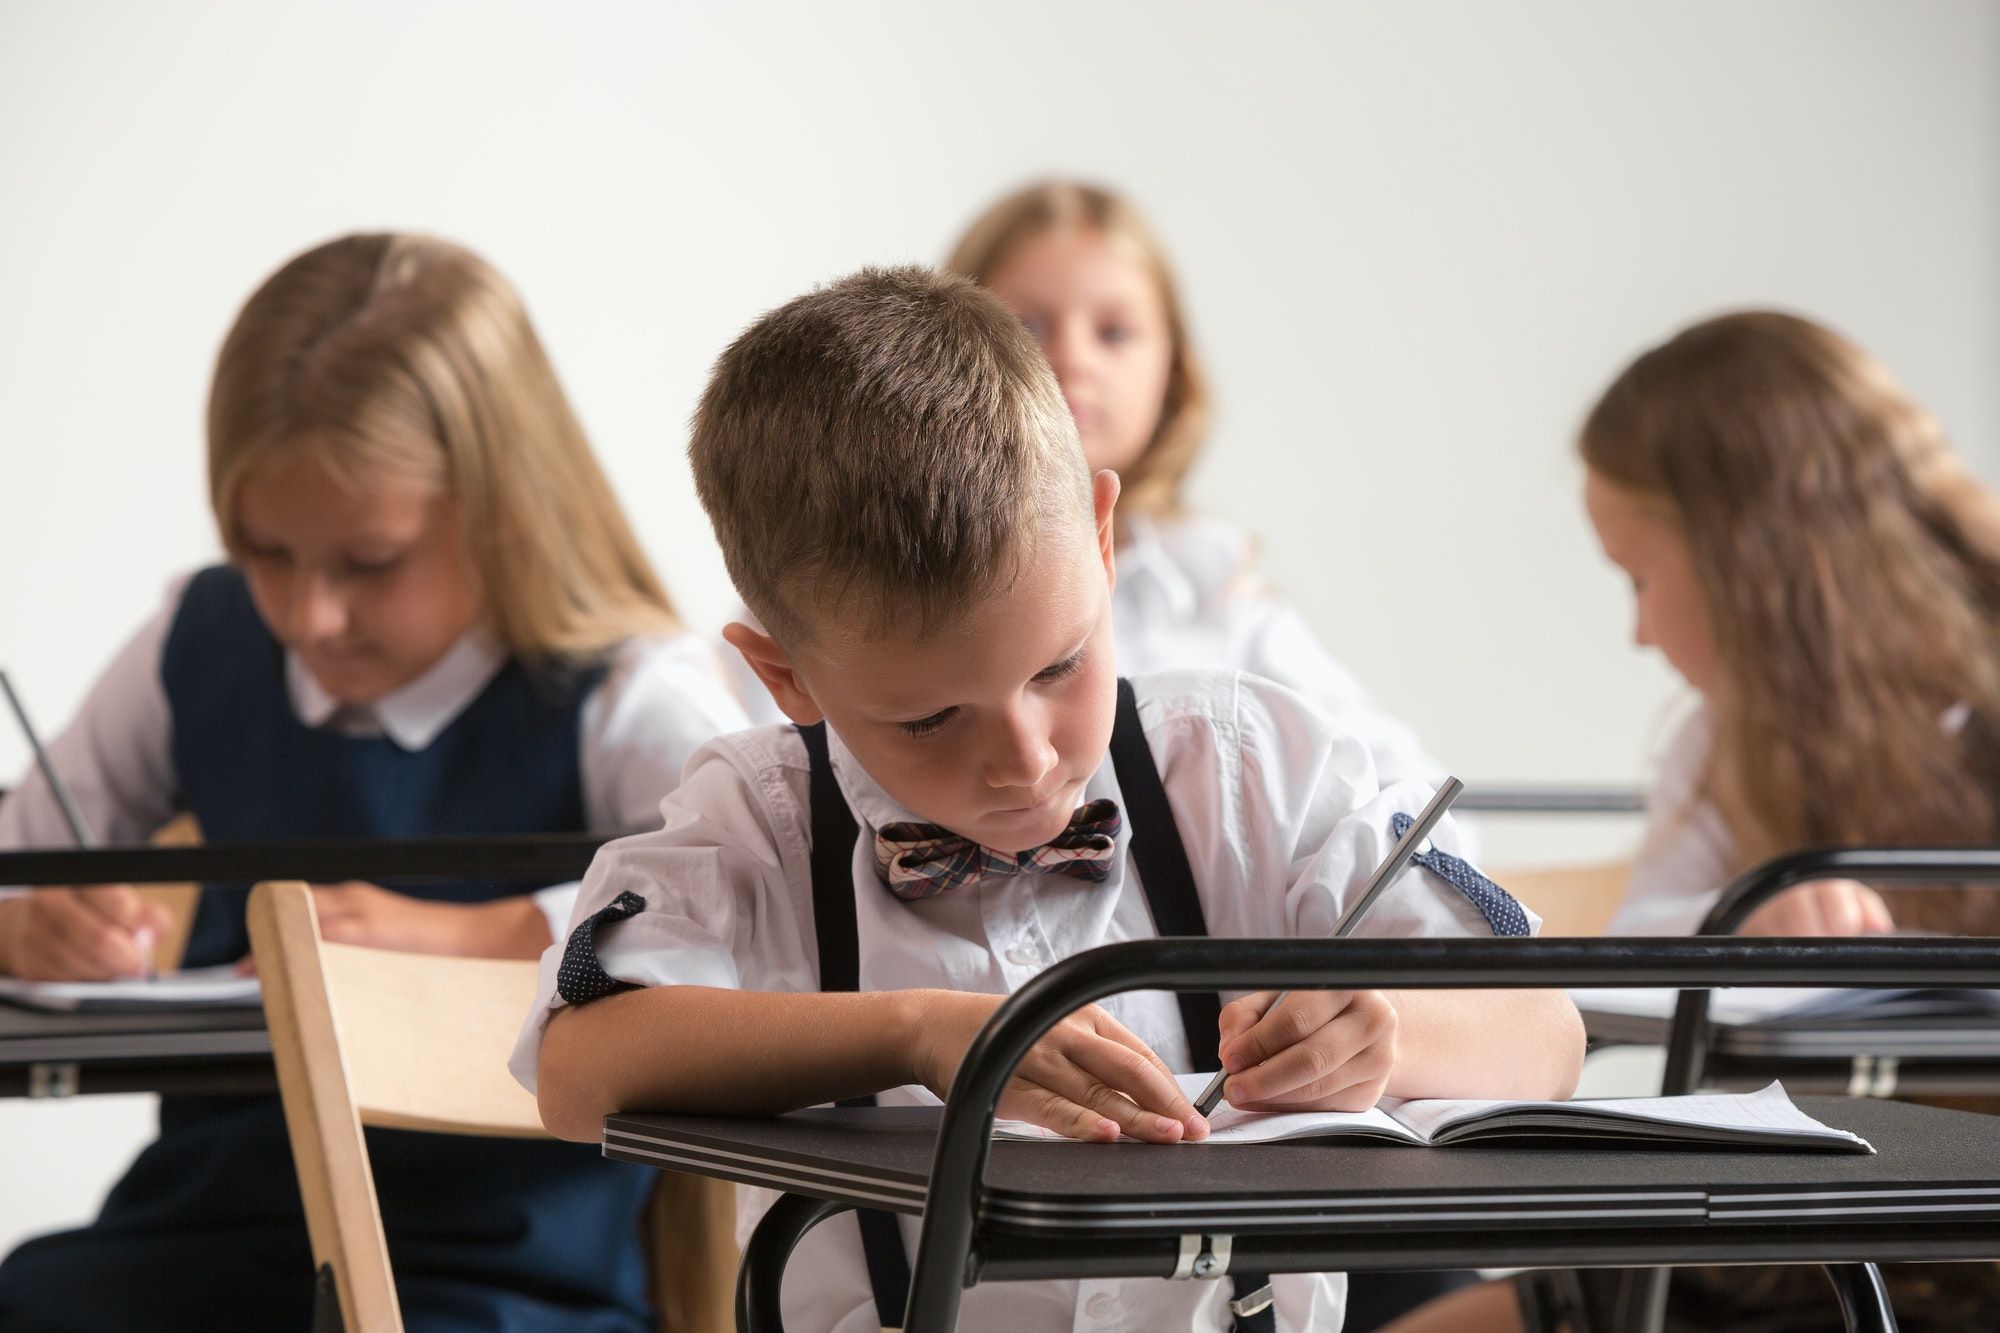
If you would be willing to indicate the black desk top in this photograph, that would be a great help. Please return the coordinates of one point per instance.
(184, 1050)
(1929, 1164)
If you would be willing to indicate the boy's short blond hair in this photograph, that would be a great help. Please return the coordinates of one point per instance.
(888, 446)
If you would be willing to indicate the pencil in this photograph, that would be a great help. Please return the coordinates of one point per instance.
(79, 827)
(1385, 874)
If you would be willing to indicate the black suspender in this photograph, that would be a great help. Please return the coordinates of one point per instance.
(1165, 875)
(834, 833)
(1163, 868)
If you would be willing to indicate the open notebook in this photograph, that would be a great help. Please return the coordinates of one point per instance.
(220, 987)
(1765, 1119)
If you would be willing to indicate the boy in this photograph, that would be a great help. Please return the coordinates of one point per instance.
(899, 491)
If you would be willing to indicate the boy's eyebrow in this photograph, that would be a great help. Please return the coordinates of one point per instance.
(899, 711)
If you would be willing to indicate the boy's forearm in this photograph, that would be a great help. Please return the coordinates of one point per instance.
(701, 1049)
(1486, 1044)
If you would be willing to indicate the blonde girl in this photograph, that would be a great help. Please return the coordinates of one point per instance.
(1084, 272)
(435, 621)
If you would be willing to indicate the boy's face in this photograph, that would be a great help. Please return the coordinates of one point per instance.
(991, 725)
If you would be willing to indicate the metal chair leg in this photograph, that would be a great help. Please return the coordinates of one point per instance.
(763, 1272)
(1864, 1300)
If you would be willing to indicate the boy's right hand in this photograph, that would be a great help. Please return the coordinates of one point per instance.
(1821, 907)
(1088, 1077)
(100, 932)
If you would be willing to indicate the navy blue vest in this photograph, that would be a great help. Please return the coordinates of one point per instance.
(482, 1233)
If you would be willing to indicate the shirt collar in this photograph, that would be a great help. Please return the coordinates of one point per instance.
(1148, 572)
(411, 715)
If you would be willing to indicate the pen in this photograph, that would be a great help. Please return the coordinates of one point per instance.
(1385, 874)
(79, 828)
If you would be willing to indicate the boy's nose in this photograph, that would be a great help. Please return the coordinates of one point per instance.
(1021, 754)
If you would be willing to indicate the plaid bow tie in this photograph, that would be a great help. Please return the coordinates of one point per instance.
(921, 860)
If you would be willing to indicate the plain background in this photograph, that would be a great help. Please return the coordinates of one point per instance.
(1415, 240)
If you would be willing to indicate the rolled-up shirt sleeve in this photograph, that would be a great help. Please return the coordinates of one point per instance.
(709, 882)
(1297, 782)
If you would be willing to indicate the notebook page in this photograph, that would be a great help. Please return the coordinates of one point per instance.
(1229, 1125)
(200, 987)
(1766, 1111)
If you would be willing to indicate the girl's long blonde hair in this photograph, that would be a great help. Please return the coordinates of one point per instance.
(1851, 571)
(1151, 486)
(413, 355)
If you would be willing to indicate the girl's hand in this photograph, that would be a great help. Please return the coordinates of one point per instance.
(357, 912)
(101, 932)
(1318, 1051)
(1088, 1078)
(1822, 907)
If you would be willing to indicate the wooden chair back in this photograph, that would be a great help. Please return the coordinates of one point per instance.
(420, 1041)
(1571, 900)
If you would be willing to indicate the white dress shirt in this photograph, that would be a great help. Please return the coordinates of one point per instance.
(1689, 856)
(1688, 853)
(1188, 595)
(661, 700)
(1282, 819)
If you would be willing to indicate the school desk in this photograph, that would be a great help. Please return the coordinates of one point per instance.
(995, 1212)
(224, 1051)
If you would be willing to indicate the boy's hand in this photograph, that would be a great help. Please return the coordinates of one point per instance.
(1318, 1051)
(1822, 907)
(357, 912)
(1088, 1078)
(99, 932)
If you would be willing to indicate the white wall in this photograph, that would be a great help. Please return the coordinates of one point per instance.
(1417, 238)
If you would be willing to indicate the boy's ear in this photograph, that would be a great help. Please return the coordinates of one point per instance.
(775, 669)
(1104, 503)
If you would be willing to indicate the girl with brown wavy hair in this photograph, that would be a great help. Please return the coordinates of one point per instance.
(1810, 555)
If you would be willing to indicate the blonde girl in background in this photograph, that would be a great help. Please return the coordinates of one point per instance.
(435, 621)
(1086, 275)
(1812, 558)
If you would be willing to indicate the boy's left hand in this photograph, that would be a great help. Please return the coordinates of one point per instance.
(1318, 1051)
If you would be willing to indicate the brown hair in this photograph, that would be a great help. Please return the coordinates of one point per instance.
(412, 355)
(1151, 486)
(895, 436)
(1851, 571)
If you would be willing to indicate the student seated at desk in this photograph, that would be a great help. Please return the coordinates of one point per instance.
(1808, 553)
(899, 492)
(435, 623)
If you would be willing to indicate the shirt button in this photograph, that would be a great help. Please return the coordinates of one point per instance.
(1021, 955)
(1101, 1305)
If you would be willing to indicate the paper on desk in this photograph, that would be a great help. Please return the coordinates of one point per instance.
(218, 987)
(1766, 1111)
